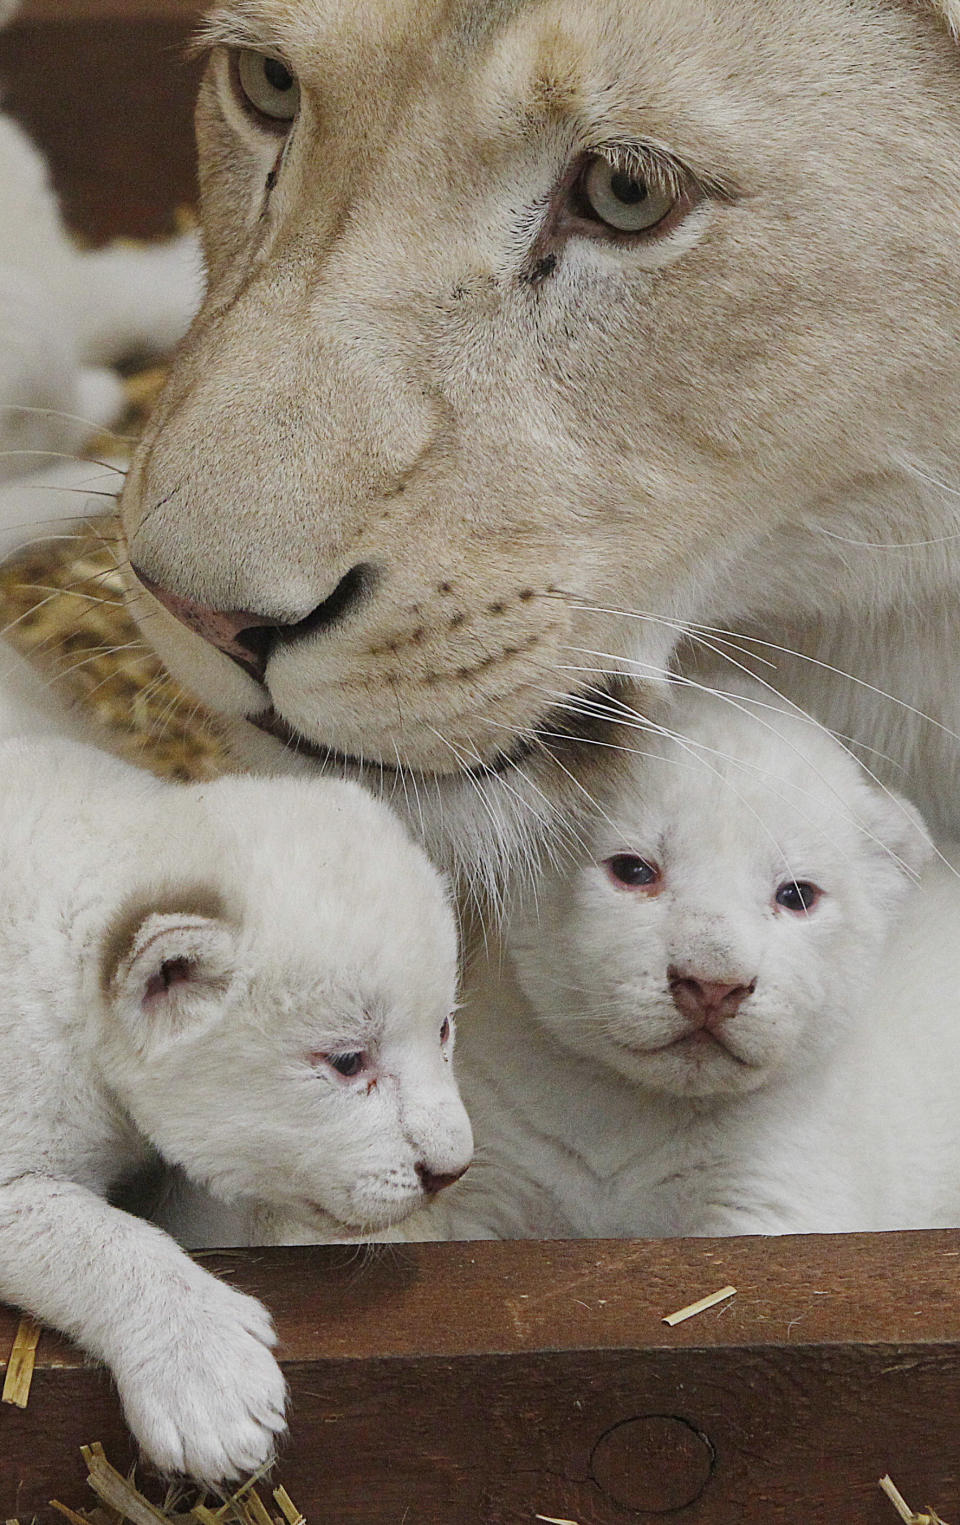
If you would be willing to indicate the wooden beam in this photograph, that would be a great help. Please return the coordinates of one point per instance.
(488, 1384)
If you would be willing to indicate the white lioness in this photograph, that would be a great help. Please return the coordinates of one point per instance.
(526, 313)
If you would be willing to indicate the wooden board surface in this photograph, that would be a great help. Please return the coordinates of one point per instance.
(486, 1384)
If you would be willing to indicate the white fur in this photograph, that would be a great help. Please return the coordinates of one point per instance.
(67, 316)
(832, 1107)
(139, 1020)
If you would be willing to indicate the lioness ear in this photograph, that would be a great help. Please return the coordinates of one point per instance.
(173, 972)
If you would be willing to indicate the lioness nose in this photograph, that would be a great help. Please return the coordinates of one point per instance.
(432, 1184)
(705, 1001)
(249, 638)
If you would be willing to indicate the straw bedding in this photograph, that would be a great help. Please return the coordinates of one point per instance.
(63, 608)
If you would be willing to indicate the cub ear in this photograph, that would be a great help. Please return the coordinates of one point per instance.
(899, 829)
(169, 971)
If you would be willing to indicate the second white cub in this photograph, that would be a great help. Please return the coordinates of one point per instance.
(736, 1013)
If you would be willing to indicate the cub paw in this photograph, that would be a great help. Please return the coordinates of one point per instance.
(204, 1395)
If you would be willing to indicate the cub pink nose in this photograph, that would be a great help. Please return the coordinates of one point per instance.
(705, 1002)
(432, 1183)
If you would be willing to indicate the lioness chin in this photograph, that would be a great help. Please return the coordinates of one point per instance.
(539, 333)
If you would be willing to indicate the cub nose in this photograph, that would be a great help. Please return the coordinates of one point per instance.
(704, 1001)
(248, 638)
(432, 1184)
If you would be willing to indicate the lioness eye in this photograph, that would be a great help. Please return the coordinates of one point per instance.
(632, 871)
(625, 200)
(268, 86)
(445, 1031)
(800, 898)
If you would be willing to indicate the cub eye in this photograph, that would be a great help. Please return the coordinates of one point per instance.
(348, 1065)
(799, 897)
(632, 872)
(628, 200)
(269, 88)
(445, 1031)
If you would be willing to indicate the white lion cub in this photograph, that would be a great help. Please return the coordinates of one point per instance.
(252, 979)
(736, 1014)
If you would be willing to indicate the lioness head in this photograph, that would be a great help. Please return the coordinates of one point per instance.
(536, 329)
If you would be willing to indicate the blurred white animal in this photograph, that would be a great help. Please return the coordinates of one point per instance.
(252, 980)
(734, 1015)
(66, 316)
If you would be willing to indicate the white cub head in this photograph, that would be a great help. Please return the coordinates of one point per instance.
(727, 916)
(281, 1025)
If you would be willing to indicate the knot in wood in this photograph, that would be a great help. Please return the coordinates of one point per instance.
(657, 1464)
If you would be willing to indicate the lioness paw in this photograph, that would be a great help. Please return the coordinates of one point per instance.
(206, 1397)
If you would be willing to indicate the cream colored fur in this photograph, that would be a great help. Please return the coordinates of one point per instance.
(692, 431)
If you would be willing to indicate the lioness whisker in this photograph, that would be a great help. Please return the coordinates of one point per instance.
(80, 492)
(555, 826)
(739, 703)
(700, 753)
(726, 636)
(63, 455)
(677, 679)
(558, 836)
(57, 519)
(524, 865)
(595, 807)
(93, 598)
(72, 418)
(480, 872)
(97, 655)
(401, 774)
(416, 792)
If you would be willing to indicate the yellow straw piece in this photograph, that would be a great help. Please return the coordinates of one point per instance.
(703, 1306)
(903, 1509)
(288, 1508)
(16, 1385)
(117, 1491)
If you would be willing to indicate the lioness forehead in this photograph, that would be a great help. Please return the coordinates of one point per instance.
(469, 20)
(708, 75)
